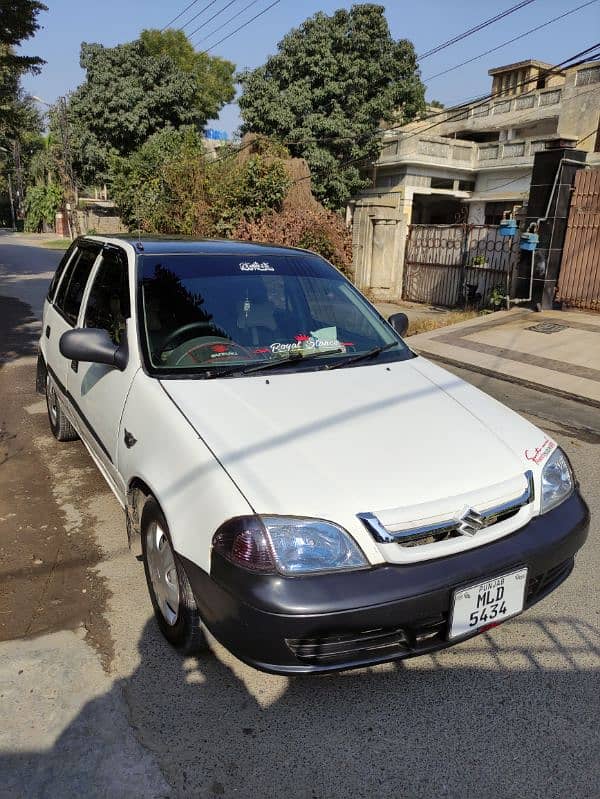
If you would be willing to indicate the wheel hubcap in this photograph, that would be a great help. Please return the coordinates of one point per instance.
(52, 402)
(163, 572)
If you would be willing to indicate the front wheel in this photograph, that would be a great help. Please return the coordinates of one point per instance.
(170, 591)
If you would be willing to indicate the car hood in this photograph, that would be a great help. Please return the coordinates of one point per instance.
(331, 444)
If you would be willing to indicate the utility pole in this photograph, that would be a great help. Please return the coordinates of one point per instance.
(20, 191)
(10, 193)
(63, 123)
(12, 204)
(69, 173)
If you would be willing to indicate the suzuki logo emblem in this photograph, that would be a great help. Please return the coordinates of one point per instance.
(470, 522)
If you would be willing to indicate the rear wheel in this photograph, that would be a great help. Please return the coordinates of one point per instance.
(170, 591)
(61, 427)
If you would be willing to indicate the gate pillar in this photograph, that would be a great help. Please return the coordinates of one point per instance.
(378, 240)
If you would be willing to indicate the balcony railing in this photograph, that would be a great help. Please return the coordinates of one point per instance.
(459, 153)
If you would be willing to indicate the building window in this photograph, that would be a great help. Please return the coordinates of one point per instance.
(384, 181)
(442, 183)
(495, 211)
(466, 185)
(587, 76)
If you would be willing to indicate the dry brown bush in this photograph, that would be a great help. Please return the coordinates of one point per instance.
(313, 229)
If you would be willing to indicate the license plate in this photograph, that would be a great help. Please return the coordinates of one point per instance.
(489, 602)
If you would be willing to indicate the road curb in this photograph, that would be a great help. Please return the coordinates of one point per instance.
(556, 392)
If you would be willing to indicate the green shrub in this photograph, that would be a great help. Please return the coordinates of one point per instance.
(41, 204)
(169, 185)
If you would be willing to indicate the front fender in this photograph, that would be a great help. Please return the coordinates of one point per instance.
(194, 491)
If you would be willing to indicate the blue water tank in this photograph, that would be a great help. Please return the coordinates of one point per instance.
(529, 241)
(508, 227)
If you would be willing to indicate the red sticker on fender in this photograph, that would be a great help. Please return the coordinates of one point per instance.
(539, 454)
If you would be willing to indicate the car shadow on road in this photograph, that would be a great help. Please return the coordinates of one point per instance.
(509, 714)
(19, 329)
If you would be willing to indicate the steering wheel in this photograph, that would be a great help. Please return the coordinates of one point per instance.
(220, 349)
(180, 331)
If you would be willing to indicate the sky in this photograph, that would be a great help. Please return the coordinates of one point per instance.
(426, 23)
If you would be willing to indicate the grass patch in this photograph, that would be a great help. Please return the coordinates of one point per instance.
(441, 320)
(56, 244)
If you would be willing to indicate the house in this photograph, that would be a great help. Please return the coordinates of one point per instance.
(469, 163)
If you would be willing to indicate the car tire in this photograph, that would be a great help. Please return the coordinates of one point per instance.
(174, 605)
(61, 427)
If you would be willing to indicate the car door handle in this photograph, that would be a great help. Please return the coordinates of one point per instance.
(75, 365)
(129, 439)
(47, 331)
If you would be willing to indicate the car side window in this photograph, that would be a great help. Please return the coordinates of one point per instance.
(60, 270)
(108, 303)
(72, 286)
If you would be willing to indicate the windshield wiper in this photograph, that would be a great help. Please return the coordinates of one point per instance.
(363, 356)
(295, 358)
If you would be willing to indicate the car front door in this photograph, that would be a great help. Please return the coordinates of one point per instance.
(62, 310)
(100, 391)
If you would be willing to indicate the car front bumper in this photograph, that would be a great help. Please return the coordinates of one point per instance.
(329, 622)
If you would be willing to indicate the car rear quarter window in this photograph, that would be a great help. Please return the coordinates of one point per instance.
(60, 270)
(72, 286)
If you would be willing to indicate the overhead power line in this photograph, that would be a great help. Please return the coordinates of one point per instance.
(243, 25)
(181, 13)
(475, 29)
(589, 135)
(479, 101)
(510, 41)
(226, 23)
(210, 19)
(197, 14)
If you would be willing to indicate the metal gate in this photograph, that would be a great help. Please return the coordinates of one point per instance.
(579, 279)
(452, 265)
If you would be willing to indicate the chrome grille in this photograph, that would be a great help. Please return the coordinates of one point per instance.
(465, 522)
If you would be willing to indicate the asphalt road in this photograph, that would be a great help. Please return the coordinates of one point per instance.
(95, 704)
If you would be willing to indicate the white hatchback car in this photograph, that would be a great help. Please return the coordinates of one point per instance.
(300, 483)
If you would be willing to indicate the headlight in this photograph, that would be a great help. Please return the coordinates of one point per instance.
(287, 544)
(557, 481)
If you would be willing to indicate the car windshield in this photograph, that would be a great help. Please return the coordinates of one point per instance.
(213, 315)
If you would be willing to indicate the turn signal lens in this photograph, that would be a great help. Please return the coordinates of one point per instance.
(243, 541)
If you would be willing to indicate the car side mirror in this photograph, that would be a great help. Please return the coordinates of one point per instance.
(94, 346)
(399, 321)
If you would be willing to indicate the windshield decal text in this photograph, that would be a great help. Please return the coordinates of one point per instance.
(305, 343)
(255, 266)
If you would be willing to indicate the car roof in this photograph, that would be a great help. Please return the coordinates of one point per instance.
(157, 245)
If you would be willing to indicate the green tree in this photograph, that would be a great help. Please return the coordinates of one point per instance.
(126, 97)
(132, 91)
(327, 90)
(20, 123)
(18, 21)
(212, 76)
